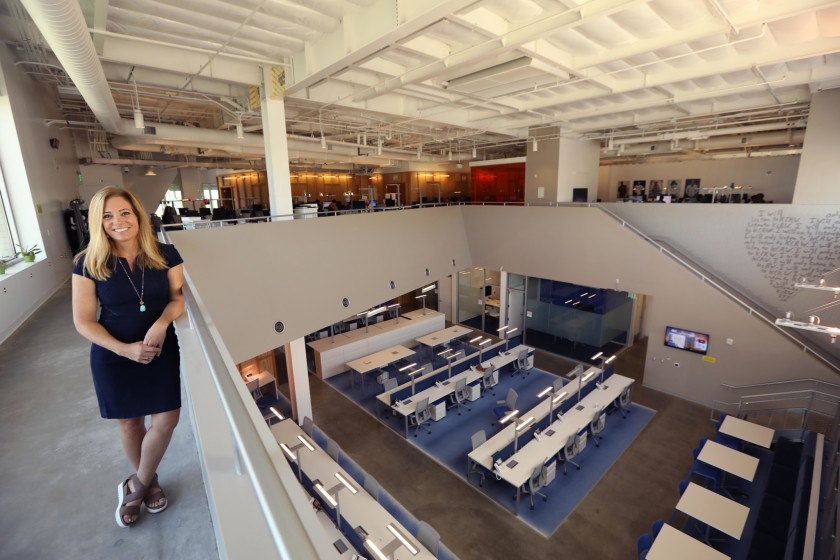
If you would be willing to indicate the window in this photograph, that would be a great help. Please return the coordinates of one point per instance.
(210, 192)
(173, 197)
(7, 240)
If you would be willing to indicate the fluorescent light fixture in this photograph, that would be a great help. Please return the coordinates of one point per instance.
(596, 356)
(419, 151)
(276, 413)
(560, 397)
(568, 301)
(525, 423)
(544, 392)
(375, 550)
(428, 288)
(139, 122)
(347, 485)
(508, 416)
(411, 365)
(502, 68)
(535, 146)
(475, 153)
(488, 341)
(584, 294)
(240, 131)
(610, 359)
(376, 311)
(500, 329)
(588, 375)
(592, 296)
(306, 443)
(514, 329)
(393, 305)
(326, 495)
(400, 537)
(415, 372)
(420, 297)
(476, 338)
(323, 142)
(444, 352)
(289, 453)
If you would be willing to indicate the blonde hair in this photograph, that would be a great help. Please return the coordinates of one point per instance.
(99, 253)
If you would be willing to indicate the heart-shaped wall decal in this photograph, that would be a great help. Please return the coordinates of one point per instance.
(788, 248)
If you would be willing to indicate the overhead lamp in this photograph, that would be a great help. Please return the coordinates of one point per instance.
(545, 391)
(323, 142)
(138, 119)
(150, 172)
(306, 443)
(525, 423)
(375, 550)
(428, 288)
(419, 151)
(489, 72)
(535, 146)
(450, 155)
(508, 416)
(476, 338)
(240, 131)
(488, 341)
(276, 413)
(610, 359)
(346, 483)
(379, 146)
(400, 537)
(560, 397)
(596, 356)
(445, 352)
(475, 153)
(407, 367)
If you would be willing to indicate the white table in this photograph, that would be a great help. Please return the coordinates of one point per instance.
(714, 510)
(359, 509)
(672, 543)
(518, 468)
(729, 460)
(747, 431)
(264, 379)
(379, 359)
(418, 313)
(439, 391)
(444, 336)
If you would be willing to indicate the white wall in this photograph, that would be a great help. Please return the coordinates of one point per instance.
(773, 176)
(578, 168)
(41, 182)
(820, 167)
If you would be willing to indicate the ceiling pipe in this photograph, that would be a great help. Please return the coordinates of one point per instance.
(704, 133)
(777, 138)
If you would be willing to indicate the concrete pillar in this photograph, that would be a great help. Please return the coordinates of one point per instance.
(556, 165)
(298, 379)
(273, 111)
(819, 165)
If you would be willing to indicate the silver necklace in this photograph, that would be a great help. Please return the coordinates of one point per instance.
(142, 284)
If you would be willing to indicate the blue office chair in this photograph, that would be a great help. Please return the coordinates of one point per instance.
(708, 472)
(623, 402)
(725, 439)
(460, 394)
(333, 450)
(372, 486)
(509, 404)
(421, 415)
(655, 528)
(523, 365)
(597, 424)
(535, 482)
(477, 439)
(428, 537)
(489, 379)
(643, 544)
(307, 425)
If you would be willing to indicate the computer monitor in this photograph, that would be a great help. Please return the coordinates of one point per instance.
(326, 205)
(373, 203)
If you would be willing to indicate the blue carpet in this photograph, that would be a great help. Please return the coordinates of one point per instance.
(449, 444)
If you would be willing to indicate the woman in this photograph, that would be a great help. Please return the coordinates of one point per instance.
(134, 358)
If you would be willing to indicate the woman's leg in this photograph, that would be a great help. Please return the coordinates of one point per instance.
(154, 445)
(132, 434)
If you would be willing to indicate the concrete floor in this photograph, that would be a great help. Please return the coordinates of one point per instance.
(60, 464)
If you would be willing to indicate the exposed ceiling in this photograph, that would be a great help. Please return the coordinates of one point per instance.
(385, 80)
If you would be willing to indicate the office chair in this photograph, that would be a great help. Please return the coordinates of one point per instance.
(307, 425)
(623, 402)
(383, 376)
(522, 364)
(596, 425)
(333, 450)
(421, 415)
(428, 537)
(643, 544)
(535, 482)
(557, 384)
(489, 379)
(568, 452)
(477, 440)
(682, 486)
(390, 384)
(253, 387)
(372, 486)
(707, 471)
(509, 404)
(460, 394)
(655, 528)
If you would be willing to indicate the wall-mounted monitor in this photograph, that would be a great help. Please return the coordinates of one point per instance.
(686, 340)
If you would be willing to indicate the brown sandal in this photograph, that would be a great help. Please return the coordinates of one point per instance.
(125, 510)
(155, 494)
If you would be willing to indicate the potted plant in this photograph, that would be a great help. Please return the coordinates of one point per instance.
(3, 261)
(28, 253)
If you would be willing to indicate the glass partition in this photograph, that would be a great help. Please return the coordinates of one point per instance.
(471, 296)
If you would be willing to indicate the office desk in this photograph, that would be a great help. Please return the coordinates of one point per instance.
(747, 431)
(379, 359)
(444, 336)
(264, 379)
(333, 534)
(518, 468)
(729, 460)
(359, 509)
(436, 393)
(483, 454)
(418, 313)
(508, 357)
(714, 510)
(672, 543)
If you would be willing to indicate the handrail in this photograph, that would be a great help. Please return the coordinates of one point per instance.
(785, 382)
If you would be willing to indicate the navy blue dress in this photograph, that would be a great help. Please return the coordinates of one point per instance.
(125, 388)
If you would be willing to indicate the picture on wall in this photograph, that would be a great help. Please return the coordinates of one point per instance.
(692, 189)
(674, 187)
(655, 188)
(623, 187)
(639, 187)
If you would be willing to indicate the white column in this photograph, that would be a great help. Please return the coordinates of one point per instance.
(298, 379)
(503, 297)
(559, 165)
(273, 111)
(819, 165)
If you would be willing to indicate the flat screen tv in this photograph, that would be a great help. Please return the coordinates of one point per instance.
(686, 340)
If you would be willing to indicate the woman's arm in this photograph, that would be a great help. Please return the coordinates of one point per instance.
(156, 334)
(84, 318)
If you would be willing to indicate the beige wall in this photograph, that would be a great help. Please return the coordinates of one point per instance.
(820, 167)
(296, 272)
